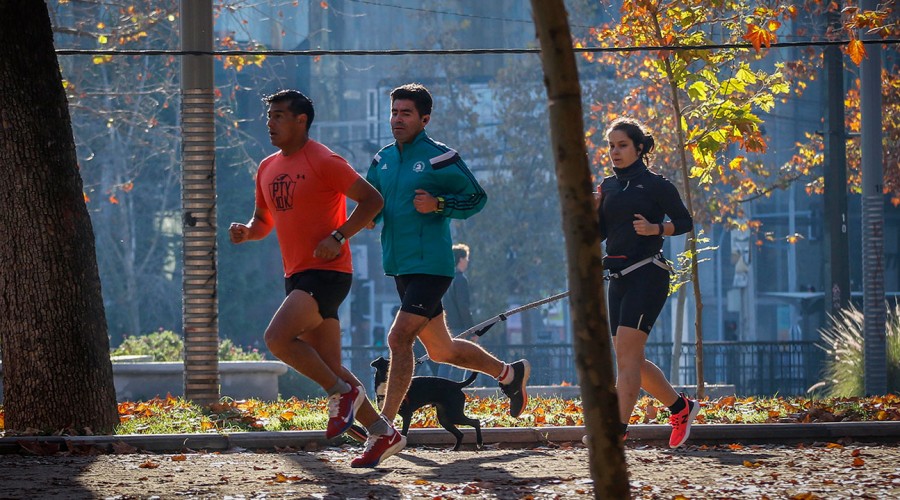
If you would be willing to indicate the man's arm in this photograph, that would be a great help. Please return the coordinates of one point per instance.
(369, 203)
(257, 228)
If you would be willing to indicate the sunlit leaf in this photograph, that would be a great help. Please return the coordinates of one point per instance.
(857, 51)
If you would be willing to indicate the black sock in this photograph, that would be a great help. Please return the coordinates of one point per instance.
(677, 406)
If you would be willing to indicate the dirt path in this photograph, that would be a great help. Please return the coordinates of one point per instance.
(854, 471)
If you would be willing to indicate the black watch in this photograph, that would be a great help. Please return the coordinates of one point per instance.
(339, 236)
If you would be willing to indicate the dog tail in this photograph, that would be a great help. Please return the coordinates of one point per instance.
(469, 380)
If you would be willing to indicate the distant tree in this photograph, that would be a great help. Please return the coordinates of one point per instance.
(56, 368)
(125, 119)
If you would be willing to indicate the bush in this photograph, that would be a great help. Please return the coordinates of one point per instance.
(844, 364)
(166, 345)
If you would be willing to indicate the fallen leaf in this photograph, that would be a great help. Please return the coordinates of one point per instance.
(149, 464)
(179, 458)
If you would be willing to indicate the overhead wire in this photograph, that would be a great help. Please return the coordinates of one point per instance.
(396, 52)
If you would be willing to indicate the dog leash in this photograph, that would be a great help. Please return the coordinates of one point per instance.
(482, 328)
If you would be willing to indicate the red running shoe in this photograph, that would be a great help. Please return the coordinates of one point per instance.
(681, 422)
(342, 411)
(379, 447)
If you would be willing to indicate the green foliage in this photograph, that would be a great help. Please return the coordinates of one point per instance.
(844, 369)
(166, 345)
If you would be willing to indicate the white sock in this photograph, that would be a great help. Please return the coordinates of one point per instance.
(507, 374)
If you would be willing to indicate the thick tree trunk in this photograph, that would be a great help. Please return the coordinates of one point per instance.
(56, 368)
(593, 353)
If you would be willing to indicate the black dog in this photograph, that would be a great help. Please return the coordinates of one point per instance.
(444, 394)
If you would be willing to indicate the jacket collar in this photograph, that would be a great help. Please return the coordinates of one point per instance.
(422, 136)
(631, 171)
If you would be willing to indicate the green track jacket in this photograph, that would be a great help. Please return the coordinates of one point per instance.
(411, 242)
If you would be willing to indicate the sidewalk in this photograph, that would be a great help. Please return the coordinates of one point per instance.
(518, 437)
(541, 463)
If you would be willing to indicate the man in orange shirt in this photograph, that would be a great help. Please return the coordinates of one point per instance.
(301, 191)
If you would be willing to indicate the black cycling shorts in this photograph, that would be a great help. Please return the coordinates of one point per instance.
(421, 294)
(329, 288)
(636, 299)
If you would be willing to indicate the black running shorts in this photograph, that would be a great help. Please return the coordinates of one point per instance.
(636, 299)
(329, 288)
(420, 294)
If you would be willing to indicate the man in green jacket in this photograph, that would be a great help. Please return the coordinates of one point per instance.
(425, 184)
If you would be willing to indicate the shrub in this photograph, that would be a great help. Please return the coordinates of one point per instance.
(845, 364)
(166, 345)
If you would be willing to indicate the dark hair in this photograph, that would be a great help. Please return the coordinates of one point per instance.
(298, 103)
(636, 131)
(460, 252)
(417, 93)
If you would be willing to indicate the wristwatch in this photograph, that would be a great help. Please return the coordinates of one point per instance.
(440, 204)
(339, 236)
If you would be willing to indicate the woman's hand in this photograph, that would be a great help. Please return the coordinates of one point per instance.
(644, 227)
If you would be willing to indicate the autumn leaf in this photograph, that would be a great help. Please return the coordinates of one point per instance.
(149, 464)
(179, 458)
(758, 37)
(858, 462)
(856, 50)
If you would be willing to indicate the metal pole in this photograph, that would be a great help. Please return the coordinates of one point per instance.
(874, 329)
(198, 197)
(837, 287)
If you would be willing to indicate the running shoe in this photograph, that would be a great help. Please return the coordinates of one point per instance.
(681, 422)
(515, 390)
(342, 411)
(379, 447)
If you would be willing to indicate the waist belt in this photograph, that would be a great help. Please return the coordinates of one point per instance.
(654, 259)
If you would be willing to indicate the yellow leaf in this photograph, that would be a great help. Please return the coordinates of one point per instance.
(750, 464)
(102, 39)
(857, 51)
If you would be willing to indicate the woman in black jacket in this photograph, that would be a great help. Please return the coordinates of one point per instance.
(633, 205)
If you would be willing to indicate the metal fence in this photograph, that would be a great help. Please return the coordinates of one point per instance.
(754, 368)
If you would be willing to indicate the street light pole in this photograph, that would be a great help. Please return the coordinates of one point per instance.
(874, 329)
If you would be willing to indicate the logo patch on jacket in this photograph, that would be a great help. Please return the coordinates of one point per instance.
(419, 166)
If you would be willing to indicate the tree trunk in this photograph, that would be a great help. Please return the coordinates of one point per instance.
(56, 367)
(593, 354)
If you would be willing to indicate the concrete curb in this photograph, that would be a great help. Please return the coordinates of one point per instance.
(509, 437)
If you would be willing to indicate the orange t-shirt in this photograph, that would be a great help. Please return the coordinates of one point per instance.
(304, 192)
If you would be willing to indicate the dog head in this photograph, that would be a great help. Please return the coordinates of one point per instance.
(381, 374)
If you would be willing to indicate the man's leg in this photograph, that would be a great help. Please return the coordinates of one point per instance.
(298, 336)
(466, 354)
(298, 316)
(326, 341)
(442, 348)
(400, 341)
